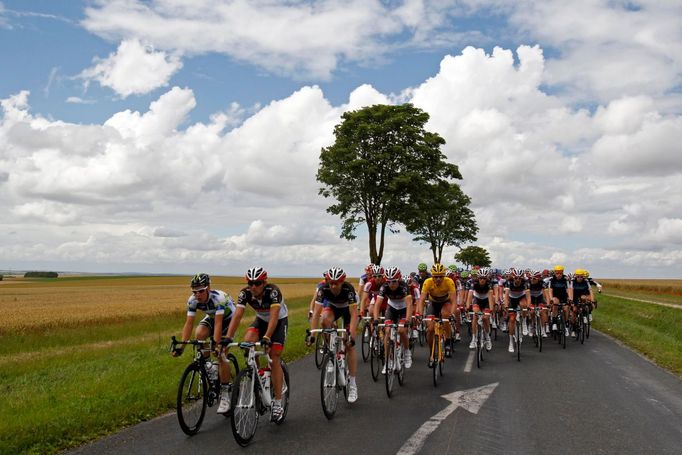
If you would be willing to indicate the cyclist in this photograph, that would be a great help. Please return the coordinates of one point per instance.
(423, 275)
(270, 326)
(557, 288)
(361, 283)
(371, 290)
(218, 308)
(338, 299)
(516, 293)
(481, 298)
(592, 282)
(441, 292)
(453, 274)
(398, 296)
(311, 306)
(537, 300)
(582, 291)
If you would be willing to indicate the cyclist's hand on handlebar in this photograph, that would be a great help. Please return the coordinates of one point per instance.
(350, 341)
(177, 352)
(265, 342)
(225, 341)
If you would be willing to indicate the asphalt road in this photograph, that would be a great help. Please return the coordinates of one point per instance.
(599, 397)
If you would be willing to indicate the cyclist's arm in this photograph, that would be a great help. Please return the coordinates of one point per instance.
(236, 319)
(364, 302)
(470, 296)
(217, 327)
(377, 306)
(187, 328)
(420, 304)
(570, 294)
(408, 301)
(506, 298)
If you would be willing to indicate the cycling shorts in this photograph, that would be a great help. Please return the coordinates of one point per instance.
(395, 315)
(482, 303)
(340, 313)
(209, 322)
(278, 337)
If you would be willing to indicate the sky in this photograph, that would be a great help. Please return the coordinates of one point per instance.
(179, 136)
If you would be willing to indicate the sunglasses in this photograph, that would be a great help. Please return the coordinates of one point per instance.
(335, 283)
(378, 276)
(198, 291)
(393, 281)
(255, 282)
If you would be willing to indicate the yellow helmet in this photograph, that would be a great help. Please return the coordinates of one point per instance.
(558, 268)
(587, 274)
(438, 270)
(580, 272)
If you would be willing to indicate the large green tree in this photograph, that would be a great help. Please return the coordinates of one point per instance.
(381, 156)
(441, 217)
(474, 255)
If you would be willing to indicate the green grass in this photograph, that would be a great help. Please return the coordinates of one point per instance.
(653, 330)
(643, 295)
(73, 385)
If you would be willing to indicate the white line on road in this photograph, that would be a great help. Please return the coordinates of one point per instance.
(471, 400)
(470, 362)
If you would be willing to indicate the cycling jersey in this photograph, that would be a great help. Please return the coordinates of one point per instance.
(516, 290)
(479, 290)
(580, 289)
(372, 289)
(218, 302)
(343, 299)
(422, 279)
(439, 293)
(271, 296)
(396, 297)
(559, 287)
(536, 289)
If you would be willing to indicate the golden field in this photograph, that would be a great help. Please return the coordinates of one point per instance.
(671, 287)
(38, 304)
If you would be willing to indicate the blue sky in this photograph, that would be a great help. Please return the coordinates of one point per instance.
(125, 122)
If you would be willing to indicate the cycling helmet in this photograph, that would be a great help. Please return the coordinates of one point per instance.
(579, 272)
(558, 268)
(536, 274)
(453, 268)
(465, 274)
(256, 274)
(516, 273)
(545, 272)
(570, 276)
(200, 280)
(335, 274)
(422, 267)
(377, 270)
(587, 274)
(393, 273)
(474, 273)
(438, 270)
(368, 269)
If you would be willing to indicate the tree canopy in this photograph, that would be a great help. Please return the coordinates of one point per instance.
(474, 255)
(381, 157)
(441, 216)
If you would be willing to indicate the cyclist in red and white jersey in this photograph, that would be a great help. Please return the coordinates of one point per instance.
(398, 297)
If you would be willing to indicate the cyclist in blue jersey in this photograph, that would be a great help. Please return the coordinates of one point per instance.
(218, 308)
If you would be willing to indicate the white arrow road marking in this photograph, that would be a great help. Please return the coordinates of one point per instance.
(470, 362)
(471, 400)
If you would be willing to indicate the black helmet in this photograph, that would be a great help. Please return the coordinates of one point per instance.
(200, 280)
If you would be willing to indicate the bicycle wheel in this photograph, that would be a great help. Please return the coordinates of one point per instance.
(192, 399)
(390, 367)
(441, 362)
(587, 326)
(366, 336)
(435, 346)
(320, 349)
(375, 363)
(328, 390)
(401, 367)
(517, 329)
(244, 420)
(539, 321)
(421, 333)
(286, 390)
(479, 345)
(562, 330)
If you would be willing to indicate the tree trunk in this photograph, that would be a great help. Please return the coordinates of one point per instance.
(381, 242)
(372, 231)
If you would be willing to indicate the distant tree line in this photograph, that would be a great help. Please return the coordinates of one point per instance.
(41, 275)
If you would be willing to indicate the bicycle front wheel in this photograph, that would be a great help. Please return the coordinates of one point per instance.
(441, 362)
(319, 350)
(518, 340)
(328, 390)
(366, 336)
(390, 367)
(244, 419)
(192, 399)
(375, 357)
(286, 390)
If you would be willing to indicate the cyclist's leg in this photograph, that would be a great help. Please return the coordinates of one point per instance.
(278, 339)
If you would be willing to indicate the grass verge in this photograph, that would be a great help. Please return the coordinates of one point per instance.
(653, 330)
(73, 385)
